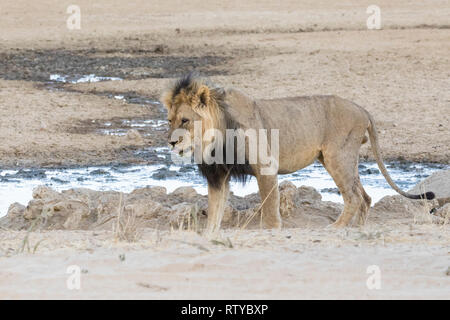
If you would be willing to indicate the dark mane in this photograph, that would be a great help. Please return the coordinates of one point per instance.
(215, 173)
(190, 83)
(183, 83)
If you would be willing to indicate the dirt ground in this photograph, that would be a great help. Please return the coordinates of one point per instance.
(270, 49)
(290, 264)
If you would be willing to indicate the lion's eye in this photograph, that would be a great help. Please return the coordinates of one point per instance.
(184, 120)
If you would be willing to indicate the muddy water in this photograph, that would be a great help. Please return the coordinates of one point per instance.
(126, 63)
(17, 185)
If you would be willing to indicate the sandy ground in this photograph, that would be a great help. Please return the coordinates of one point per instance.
(269, 49)
(401, 247)
(53, 129)
(400, 73)
(288, 264)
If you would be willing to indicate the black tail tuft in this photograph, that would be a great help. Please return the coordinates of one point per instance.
(427, 195)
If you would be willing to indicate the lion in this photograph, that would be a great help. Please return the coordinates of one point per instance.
(321, 127)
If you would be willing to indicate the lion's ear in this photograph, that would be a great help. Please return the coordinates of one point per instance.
(204, 95)
(166, 99)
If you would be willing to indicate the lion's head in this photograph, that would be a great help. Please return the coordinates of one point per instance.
(192, 101)
(196, 105)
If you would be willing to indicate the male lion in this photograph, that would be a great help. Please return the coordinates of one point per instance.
(327, 128)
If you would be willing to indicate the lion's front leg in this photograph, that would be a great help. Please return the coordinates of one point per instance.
(217, 199)
(270, 201)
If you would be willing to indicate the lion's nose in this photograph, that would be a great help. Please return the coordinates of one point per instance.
(173, 143)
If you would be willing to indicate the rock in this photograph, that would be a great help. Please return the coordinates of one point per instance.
(14, 219)
(57, 180)
(108, 203)
(66, 214)
(82, 208)
(78, 219)
(444, 213)
(315, 214)
(30, 174)
(33, 209)
(370, 171)
(44, 192)
(186, 193)
(16, 210)
(145, 209)
(398, 205)
(301, 206)
(156, 193)
(308, 194)
(182, 215)
(228, 215)
(99, 172)
(443, 201)
(243, 203)
(165, 173)
(438, 182)
(287, 198)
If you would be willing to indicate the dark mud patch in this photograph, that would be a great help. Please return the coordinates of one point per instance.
(38, 65)
(309, 29)
(24, 174)
(128, 96)
(409, 166)
(164, 173)
(151, 128)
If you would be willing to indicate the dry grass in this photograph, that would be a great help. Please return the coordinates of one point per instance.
(26, 240)
(446, 216)
(189, 222)
(424, 215)
(250, 218)
(126, 225)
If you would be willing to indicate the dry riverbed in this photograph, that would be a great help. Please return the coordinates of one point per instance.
(52, 116)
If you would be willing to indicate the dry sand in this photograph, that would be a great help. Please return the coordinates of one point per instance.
(408, 246)
(287, 264)
(269, 49)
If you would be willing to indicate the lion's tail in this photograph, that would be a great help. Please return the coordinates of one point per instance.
(376, 151)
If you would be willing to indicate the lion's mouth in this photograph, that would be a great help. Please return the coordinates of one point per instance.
(181, 152)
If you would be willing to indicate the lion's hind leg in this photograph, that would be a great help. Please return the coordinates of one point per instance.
(363, 210)
(341, 162)
(365, 204)
(351, 195)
